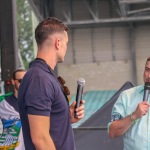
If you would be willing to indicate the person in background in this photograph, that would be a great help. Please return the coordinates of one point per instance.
(43, 104)
(11, 133)
(131, 116)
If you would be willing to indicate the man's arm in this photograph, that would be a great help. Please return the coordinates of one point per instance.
(39, 130)
(119, 127)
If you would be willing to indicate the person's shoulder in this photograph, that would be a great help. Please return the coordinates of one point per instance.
(38, 71)
(38, 75)
(132, 90)
(33, 72)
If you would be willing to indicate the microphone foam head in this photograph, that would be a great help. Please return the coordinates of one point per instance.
(81, 81)
(147, 86)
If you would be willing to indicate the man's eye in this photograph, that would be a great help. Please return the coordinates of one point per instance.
(147, 69)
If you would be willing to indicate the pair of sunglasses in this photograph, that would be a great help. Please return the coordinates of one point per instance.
(62, 82)
(19, 80)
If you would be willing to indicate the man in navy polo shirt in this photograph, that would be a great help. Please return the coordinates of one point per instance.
(45, 114)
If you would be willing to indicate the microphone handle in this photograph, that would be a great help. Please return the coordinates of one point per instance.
(146, 94)
(78, 98)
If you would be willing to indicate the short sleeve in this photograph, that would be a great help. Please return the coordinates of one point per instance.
(40, 96)
(118, 111)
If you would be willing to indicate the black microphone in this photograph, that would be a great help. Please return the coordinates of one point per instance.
(146, 91)
(80, 83)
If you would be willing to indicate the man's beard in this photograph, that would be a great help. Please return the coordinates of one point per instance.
(148, 80)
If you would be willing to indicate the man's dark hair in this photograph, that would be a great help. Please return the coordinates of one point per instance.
(48, 27)
(18, 70)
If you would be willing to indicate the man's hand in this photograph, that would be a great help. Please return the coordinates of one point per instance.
(141, 110)
(79, 111)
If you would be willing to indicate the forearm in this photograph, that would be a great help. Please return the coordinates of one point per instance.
(119, 127)
(39, 130)
(44, 143)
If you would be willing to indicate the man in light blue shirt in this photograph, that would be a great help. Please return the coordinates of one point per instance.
(131, 116)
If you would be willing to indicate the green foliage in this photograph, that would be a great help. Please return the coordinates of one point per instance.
(25, 36)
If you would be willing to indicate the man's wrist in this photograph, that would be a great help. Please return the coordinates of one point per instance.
(132, 118)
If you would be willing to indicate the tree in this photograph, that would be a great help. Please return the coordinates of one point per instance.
(25, 36)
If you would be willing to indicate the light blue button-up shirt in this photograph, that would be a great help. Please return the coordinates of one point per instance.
(138, 135)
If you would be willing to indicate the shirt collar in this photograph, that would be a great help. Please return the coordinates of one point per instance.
(43, 65)
(140, 89)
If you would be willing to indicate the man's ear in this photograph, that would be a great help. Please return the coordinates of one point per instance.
(57, 44)
(12, 81)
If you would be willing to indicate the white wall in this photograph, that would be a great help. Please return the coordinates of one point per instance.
(100, 76)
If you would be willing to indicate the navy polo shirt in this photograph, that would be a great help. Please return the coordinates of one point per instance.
(40, 94)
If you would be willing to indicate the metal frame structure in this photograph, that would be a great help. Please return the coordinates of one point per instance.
(126, 7)
(129, 11)
(8, 42)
